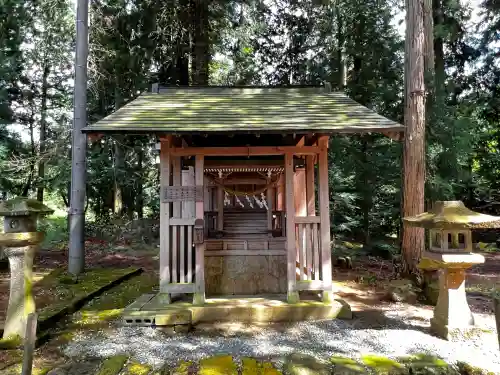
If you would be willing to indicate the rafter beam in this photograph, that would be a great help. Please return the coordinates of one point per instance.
(245, 151)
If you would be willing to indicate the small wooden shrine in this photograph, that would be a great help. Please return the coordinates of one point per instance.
(245, 206)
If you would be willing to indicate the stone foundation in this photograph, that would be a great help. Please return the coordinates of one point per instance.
(245, 275)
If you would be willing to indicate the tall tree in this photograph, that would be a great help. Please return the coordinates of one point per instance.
(413, 239)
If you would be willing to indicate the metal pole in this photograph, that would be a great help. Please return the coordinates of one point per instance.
(29, 344)
(76, 261)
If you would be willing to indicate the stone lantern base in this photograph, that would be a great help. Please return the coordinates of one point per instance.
(21, 302)
(452, 313)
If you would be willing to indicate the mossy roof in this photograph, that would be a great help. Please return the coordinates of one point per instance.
(249, 110)
(452, 215)
(22, 206)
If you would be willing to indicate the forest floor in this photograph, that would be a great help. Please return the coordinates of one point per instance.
(363, 287)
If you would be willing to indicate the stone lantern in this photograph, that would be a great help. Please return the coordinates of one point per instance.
(20, 241)
(450, 251)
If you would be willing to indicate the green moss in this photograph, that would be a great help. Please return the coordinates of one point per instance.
(345, 364)
(381, 365)
(11, 342)
(89, 283)
(124, 294)
(136, 368)
(218, 365)
(269, 369)
(41, 371)
(466, 369)
(181, 369)
(113, 365)
(22, 206)
(251, 366)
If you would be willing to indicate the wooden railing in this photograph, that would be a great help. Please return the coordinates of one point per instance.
(307, 235)
(182, 260)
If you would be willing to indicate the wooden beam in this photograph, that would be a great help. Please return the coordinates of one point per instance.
(300, 192)
(307, 219)
(176, 213)
(310, 285)
(310, 186)
(214, 253)
(182, 221)
(199, 295)
(246, 151)
(243, 181)
(165, 218)
(220, 208)
(270, 207)
(324, 209)
(217, 163)
(280, 196)
(301, 142)
(292, 294)
(181, 288)
(396, 136)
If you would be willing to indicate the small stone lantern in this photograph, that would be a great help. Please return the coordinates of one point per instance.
(20, 241)
(450, 251)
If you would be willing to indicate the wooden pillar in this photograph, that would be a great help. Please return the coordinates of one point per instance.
(300, 192)
(220, 208)
(310, 185)
(164, 218)
(176, 213)
(292, 293)
(188, 207)
(270, 207)
(324, 209)
(280, 198)
(199, 294)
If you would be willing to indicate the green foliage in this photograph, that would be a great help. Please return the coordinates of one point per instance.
(135, 43)
(56, 231)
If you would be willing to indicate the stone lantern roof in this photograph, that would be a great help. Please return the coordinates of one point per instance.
(22, 206)
(452, 215)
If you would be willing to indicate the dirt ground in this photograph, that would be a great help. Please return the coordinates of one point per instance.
(362, 287)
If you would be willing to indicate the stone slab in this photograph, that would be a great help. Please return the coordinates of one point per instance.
(232, 309)
(240, 274)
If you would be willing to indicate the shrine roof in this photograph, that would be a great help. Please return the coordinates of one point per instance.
(216, 110)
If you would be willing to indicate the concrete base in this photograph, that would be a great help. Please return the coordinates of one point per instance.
(447, 332)
(149, 309)
(452, 313)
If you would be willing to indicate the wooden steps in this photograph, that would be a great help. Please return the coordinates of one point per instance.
(244, 222)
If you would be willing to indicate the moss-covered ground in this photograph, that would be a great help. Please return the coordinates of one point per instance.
(304, 365)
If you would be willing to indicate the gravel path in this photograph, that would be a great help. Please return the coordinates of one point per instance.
(397, 336)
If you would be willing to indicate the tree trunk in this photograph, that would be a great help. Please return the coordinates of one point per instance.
(43, 131)
(439, 66)
(201, 48)
(76, 261)
(140, 190)
(342, 78)
(413, 239)
(366, 188)
(31, 169)
(119, 162)
(118, 169)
